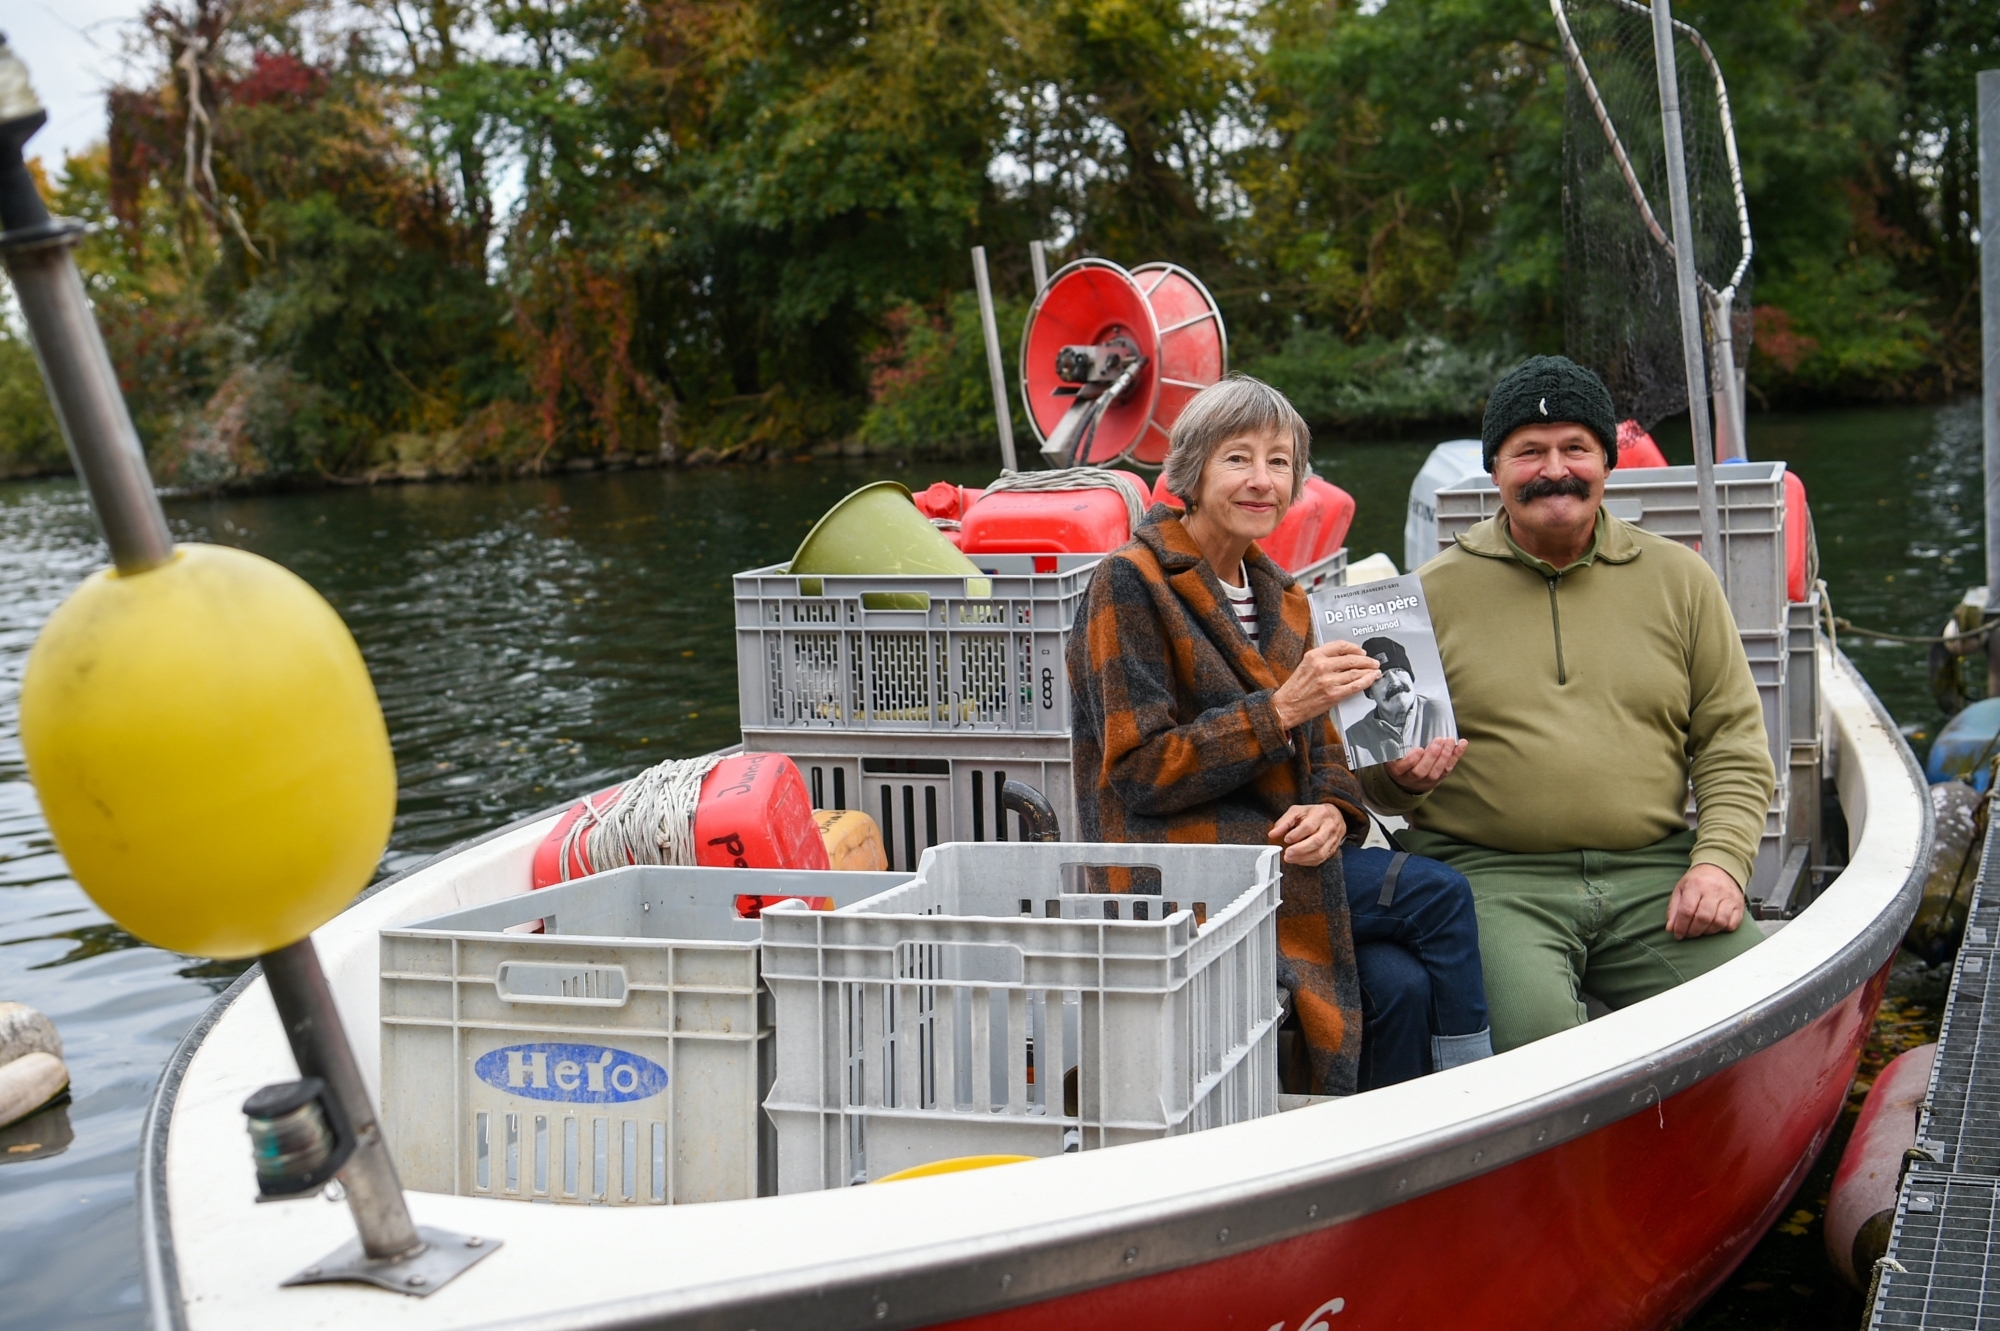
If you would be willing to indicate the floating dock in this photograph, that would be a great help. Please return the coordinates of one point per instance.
(1942, 1271)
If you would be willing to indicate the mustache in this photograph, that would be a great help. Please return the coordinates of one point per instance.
(1570, 487)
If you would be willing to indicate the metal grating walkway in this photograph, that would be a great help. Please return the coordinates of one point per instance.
(1943, 1268)
(1944, 1245)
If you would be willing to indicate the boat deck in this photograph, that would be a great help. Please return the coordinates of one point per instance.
(1942, 1271)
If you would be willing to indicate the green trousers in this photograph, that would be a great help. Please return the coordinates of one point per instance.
(1553, 927)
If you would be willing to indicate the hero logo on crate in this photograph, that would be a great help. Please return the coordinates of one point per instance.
(589, 1074)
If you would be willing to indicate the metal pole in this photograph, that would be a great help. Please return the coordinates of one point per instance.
(1038, 260)
(1693, 345)
(1732, 442)
(991, 327)
(1989, 328)
(319, 1045)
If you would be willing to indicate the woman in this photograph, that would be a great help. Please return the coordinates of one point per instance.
(1200, 713)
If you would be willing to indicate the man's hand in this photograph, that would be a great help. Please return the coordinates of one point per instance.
(1420, 770)
(1325, 676)
(1706, 901)
(1310, 833)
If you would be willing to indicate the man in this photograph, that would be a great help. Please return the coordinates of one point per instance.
(1402, 718)
(1595, 671)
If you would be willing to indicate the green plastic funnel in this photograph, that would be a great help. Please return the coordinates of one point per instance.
(877, 529)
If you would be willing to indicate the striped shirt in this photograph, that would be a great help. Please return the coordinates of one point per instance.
(1243, 600)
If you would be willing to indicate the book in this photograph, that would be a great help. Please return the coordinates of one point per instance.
(1410, 705)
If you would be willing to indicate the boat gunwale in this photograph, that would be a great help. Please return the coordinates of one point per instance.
(963, 1277)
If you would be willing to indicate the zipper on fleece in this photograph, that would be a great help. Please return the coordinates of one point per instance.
(1556, 621)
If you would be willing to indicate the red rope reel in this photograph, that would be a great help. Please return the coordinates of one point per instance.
(1110, 358)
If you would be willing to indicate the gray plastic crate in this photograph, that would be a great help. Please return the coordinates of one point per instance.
(1770, 666)
(1802, 676)
(996, 1005)
(616, 1058)
(1328, 572)
(925, 790)
(909, 653)
(919, 654)
(1775, 843)
(1750, 497)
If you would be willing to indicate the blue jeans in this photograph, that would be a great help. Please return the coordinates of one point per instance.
(1418, 955)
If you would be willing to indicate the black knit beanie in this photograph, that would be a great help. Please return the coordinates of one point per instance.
(1389, 654)
(1547, 390)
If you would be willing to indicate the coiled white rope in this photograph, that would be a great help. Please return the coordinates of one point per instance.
(651, 821)
(1079, 478)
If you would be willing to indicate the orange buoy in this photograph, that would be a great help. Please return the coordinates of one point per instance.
(1861, 1206)
(852, 840)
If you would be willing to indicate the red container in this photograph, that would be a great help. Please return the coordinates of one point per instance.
(1020, 522)
(1339, 517)
(754, 813)
(1798, 527)
(1636, 448)
(942, 499)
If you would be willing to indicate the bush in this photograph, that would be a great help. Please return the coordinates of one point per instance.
(929, 389)
(1417, 379)
(30, 441)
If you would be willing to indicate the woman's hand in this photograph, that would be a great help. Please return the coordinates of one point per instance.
(1325, 676)
(1420, 770)
(1310, 833)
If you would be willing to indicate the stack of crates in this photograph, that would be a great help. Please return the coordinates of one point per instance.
(1777, 635)
(607, 1042)
(915, 698)
(1024, 1000)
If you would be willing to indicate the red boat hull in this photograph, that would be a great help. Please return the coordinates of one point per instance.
(1614, 1230)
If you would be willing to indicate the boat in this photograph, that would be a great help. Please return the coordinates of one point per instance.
(1608, 1177)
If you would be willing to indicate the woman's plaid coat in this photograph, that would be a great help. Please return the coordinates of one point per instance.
(1175, 739)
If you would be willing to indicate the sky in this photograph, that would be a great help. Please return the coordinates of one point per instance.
(73, 50)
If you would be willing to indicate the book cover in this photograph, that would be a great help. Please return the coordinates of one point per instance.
(1409, 706)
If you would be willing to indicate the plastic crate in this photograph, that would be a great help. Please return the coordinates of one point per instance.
(615, 1058)
(920, 654)
(1770, 665)
(910, 653)
(1328, 572)
(926, 790)
(1750, 499)
(1774, 843)
(1802, 677)
(995, 1005)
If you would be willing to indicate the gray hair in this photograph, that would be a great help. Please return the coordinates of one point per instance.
(1237, 406)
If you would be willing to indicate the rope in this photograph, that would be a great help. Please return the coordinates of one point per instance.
(1983, 631)
(1077, 478)
(651, 821)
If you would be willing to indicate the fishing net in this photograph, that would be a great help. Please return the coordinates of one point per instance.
(1621, 309)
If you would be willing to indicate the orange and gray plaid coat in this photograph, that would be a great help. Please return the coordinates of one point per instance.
(1175, 739)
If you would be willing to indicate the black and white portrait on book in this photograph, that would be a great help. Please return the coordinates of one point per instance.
(1408, 705)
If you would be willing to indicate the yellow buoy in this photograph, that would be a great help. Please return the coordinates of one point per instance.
(209, 752)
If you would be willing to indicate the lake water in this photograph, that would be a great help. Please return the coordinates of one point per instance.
(533, 640)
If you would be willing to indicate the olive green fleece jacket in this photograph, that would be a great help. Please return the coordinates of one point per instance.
(1590, 697)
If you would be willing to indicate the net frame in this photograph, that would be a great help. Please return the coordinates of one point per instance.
(1641, 363)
